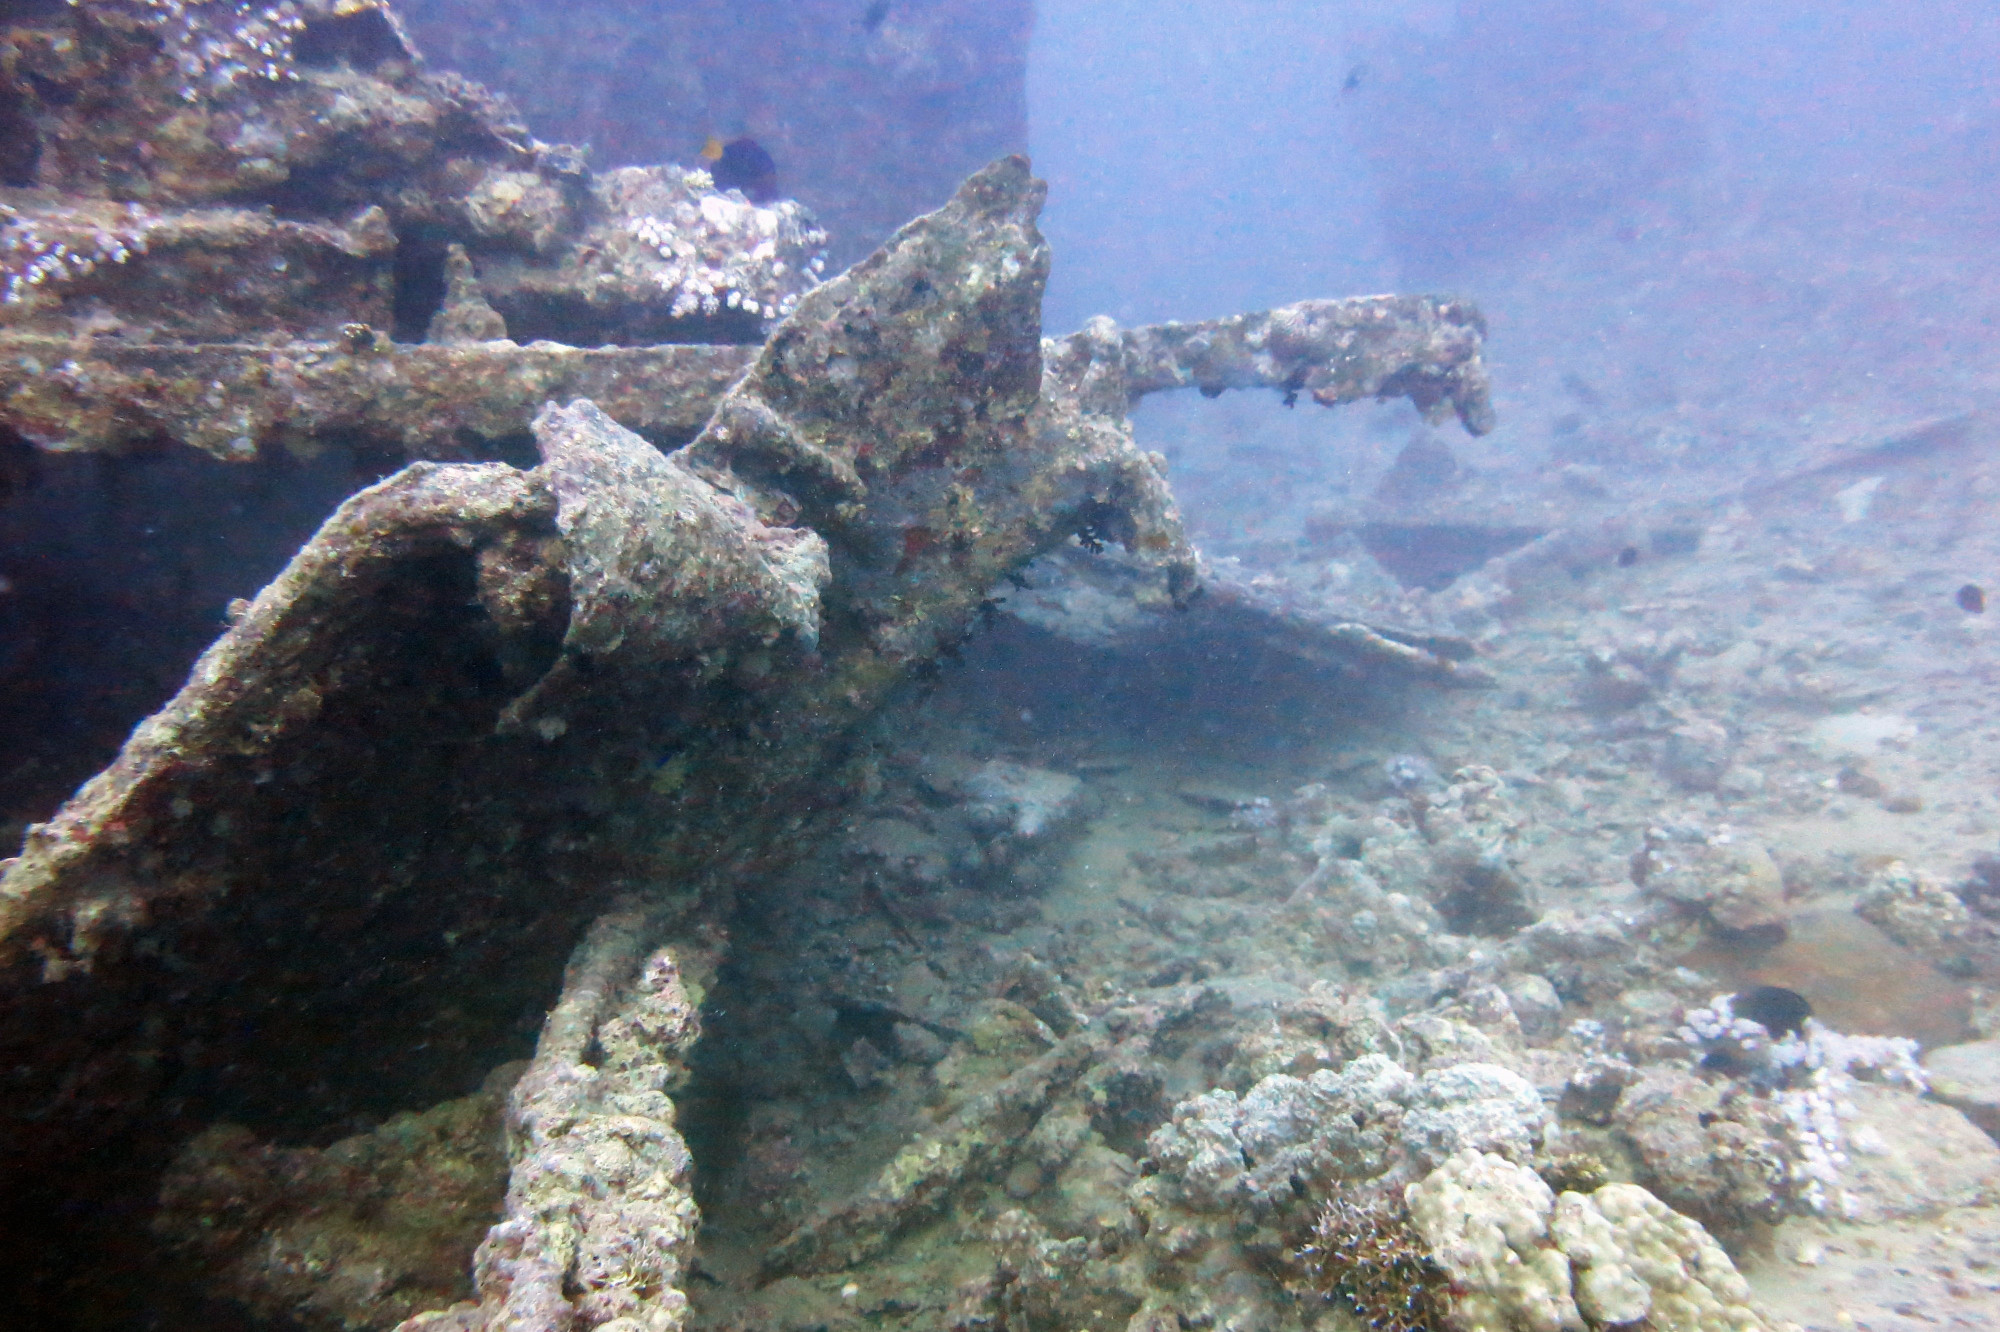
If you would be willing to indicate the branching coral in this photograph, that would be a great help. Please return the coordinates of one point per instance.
(1368, 1256)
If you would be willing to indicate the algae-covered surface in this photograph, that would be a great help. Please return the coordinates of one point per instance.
(573, 765)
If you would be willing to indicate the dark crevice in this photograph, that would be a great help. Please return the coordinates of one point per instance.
(115, 572)
(516, 450)
(361, 40)
(1480, 905)
(344, 983)
(20, 464)
(315, 191)
(538, 316)
(317, 1011)
(1433, 555)
(420, 283)
(714, 1105)
(20, 140)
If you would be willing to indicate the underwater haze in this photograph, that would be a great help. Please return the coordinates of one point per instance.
(679, 666)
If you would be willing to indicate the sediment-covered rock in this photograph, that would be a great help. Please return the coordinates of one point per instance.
(365, 1232)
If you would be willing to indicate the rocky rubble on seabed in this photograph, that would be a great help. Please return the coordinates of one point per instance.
(1470, 972)
(1233, 1004)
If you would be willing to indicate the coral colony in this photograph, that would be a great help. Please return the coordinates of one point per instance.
(1808, 1072)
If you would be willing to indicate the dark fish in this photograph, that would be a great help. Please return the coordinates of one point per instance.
(1353, 80)
(1580, 388)
(1628, 557)
(872, 17)
(1972, 599)
(1772, 1007)
(1981, 892)
(20, 465)
(742, 164)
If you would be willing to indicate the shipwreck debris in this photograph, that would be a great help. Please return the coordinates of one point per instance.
(600, 1221)
(430, 751)
(444, 400)
(205, 172)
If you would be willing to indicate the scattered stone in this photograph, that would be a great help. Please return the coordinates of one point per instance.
(865, 1064)
(1590, 958)
(1696, 755)
(1406, 773)
(1612, 685)
(1729, 1160)
(1473, 831)
(902, 853)
(1726, 877)
(1857, 779)
(1536, 1004)
(919, 1045)
(1917, 910)
(1011, 799)
(1981, 889)
(1592, 1091)
(1741, 783)
(1967, 1078)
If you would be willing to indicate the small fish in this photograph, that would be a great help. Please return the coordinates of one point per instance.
(1628, 557)
(871, 18)
(1352, 82)
(1972, 599)
(742, 164)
